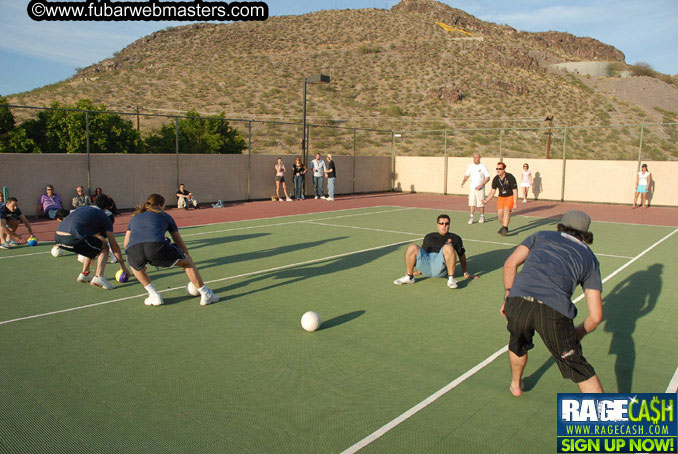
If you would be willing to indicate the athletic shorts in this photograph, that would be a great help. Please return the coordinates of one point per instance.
(642, 189)
(90, 246)
(505, 202)
(526, 315)
(280, 179)
(162, 254)
(475, 197)
(525, 185)
(431, 265)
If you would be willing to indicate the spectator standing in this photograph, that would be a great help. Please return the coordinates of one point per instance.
(331, 174)
(318, 168)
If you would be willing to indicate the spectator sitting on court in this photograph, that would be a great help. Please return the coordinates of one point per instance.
(112, 207)
(81, 199)
(538, 299)
(437, 257)
(49, 203)
(89, 232)
(10, 216)
(186, 198)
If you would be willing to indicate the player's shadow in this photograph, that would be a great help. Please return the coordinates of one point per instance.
(536, 224)
(481, 264)
(631, 299)
(302, 272)
(531, 380)
(531, 208)
(340, 319)
(196, 242)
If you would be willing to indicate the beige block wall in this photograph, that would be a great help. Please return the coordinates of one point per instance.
(664, 182)
(130, 179)
(419, 174)
(592, 181)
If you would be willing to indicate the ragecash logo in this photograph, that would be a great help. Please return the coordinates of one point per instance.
(624, 423)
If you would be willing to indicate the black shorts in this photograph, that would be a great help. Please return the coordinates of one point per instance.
(162, 254)
(280, 179)
(557, 331)
(90, 246)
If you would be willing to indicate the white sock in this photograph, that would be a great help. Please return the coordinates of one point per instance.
(203, 289)
(150, 288)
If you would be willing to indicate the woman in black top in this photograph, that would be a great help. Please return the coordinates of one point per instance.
(299, 172)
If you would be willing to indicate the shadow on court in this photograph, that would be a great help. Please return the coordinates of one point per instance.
(531, 209)
(631, 299)
(340, 320)
(537, 224)
(300, 273)
(531, 380)
(196, 242)
(485, 263)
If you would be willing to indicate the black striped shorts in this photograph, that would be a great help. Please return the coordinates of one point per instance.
(526, 315)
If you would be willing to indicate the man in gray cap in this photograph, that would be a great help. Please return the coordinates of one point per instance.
(538, 299)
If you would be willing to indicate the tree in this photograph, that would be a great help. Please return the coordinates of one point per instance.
(198, 136)
(6, 117)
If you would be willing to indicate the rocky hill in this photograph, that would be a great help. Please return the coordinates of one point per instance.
(390, 69)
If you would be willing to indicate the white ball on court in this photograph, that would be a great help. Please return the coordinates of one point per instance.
(192, 289)
(310, 321)
(56, 251)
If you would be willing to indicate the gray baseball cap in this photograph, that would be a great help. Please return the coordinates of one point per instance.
(577, 220)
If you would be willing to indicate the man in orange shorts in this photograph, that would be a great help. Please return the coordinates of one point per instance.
(507, 199)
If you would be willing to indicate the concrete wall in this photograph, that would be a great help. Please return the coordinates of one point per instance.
(129, 179)
(585, 180)
(591, 68)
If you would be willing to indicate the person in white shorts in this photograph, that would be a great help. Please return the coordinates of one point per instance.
(527, 181)
(479, 176)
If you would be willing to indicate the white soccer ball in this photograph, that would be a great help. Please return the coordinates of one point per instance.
(192, 289)
(56, 251)
(310, 321)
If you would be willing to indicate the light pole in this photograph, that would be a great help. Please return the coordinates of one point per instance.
(313, 79)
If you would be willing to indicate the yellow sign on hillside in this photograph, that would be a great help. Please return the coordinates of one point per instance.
(452, 29)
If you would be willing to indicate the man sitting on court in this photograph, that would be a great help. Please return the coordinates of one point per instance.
(437, 256)
(10, 216)
(185, 198)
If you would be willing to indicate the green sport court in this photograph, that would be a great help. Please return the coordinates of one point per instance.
(415, 368)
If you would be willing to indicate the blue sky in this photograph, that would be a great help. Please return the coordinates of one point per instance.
(33, 54)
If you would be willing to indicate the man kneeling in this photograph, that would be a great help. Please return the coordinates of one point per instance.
(437, 256)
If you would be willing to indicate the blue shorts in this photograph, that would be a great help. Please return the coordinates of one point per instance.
(431, 265)
(642, 188)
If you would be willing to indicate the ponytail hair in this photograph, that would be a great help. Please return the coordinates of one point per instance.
(154, 203)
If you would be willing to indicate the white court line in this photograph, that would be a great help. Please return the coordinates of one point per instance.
(248, 227)
(673, 384)
(252, 273)
(411, 233)
(433, 397)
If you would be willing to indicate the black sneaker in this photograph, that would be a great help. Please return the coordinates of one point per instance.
(504, 231)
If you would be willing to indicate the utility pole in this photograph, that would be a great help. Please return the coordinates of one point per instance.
(138, 127)
(549, 123)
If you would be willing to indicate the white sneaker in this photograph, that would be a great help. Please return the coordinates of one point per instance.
(154, 300)
(482, 220)
(208, 297)
(330, 199)
(323, 197)
(316, 197)
(302, 197)
(84, 278)
(102, 282)
(404, 280)
(5, 245)
(451, 283)
(470, 220)
(524, 200)
(112, 259)
(13, 243)
(288, 200)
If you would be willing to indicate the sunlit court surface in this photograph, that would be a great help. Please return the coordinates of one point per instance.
(413, 368)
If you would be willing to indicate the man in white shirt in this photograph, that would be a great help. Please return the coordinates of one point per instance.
(479, 175)
(318, 167)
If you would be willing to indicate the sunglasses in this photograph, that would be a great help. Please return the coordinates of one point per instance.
(499, 168)
(443, 223)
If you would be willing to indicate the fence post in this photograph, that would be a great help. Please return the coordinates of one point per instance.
(355, 133)
(445, 167)
(501, 135)
(392, 161)
(640, 148)
(89, 169)
(562, 188)
(176, 145)
(249, 163)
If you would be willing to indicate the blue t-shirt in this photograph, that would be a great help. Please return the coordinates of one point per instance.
(150, 227)
(556, 264)
(85, 222)
(5, 213)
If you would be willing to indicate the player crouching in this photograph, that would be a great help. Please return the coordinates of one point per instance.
(88, 231)
(145, 242)
(437, 256)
